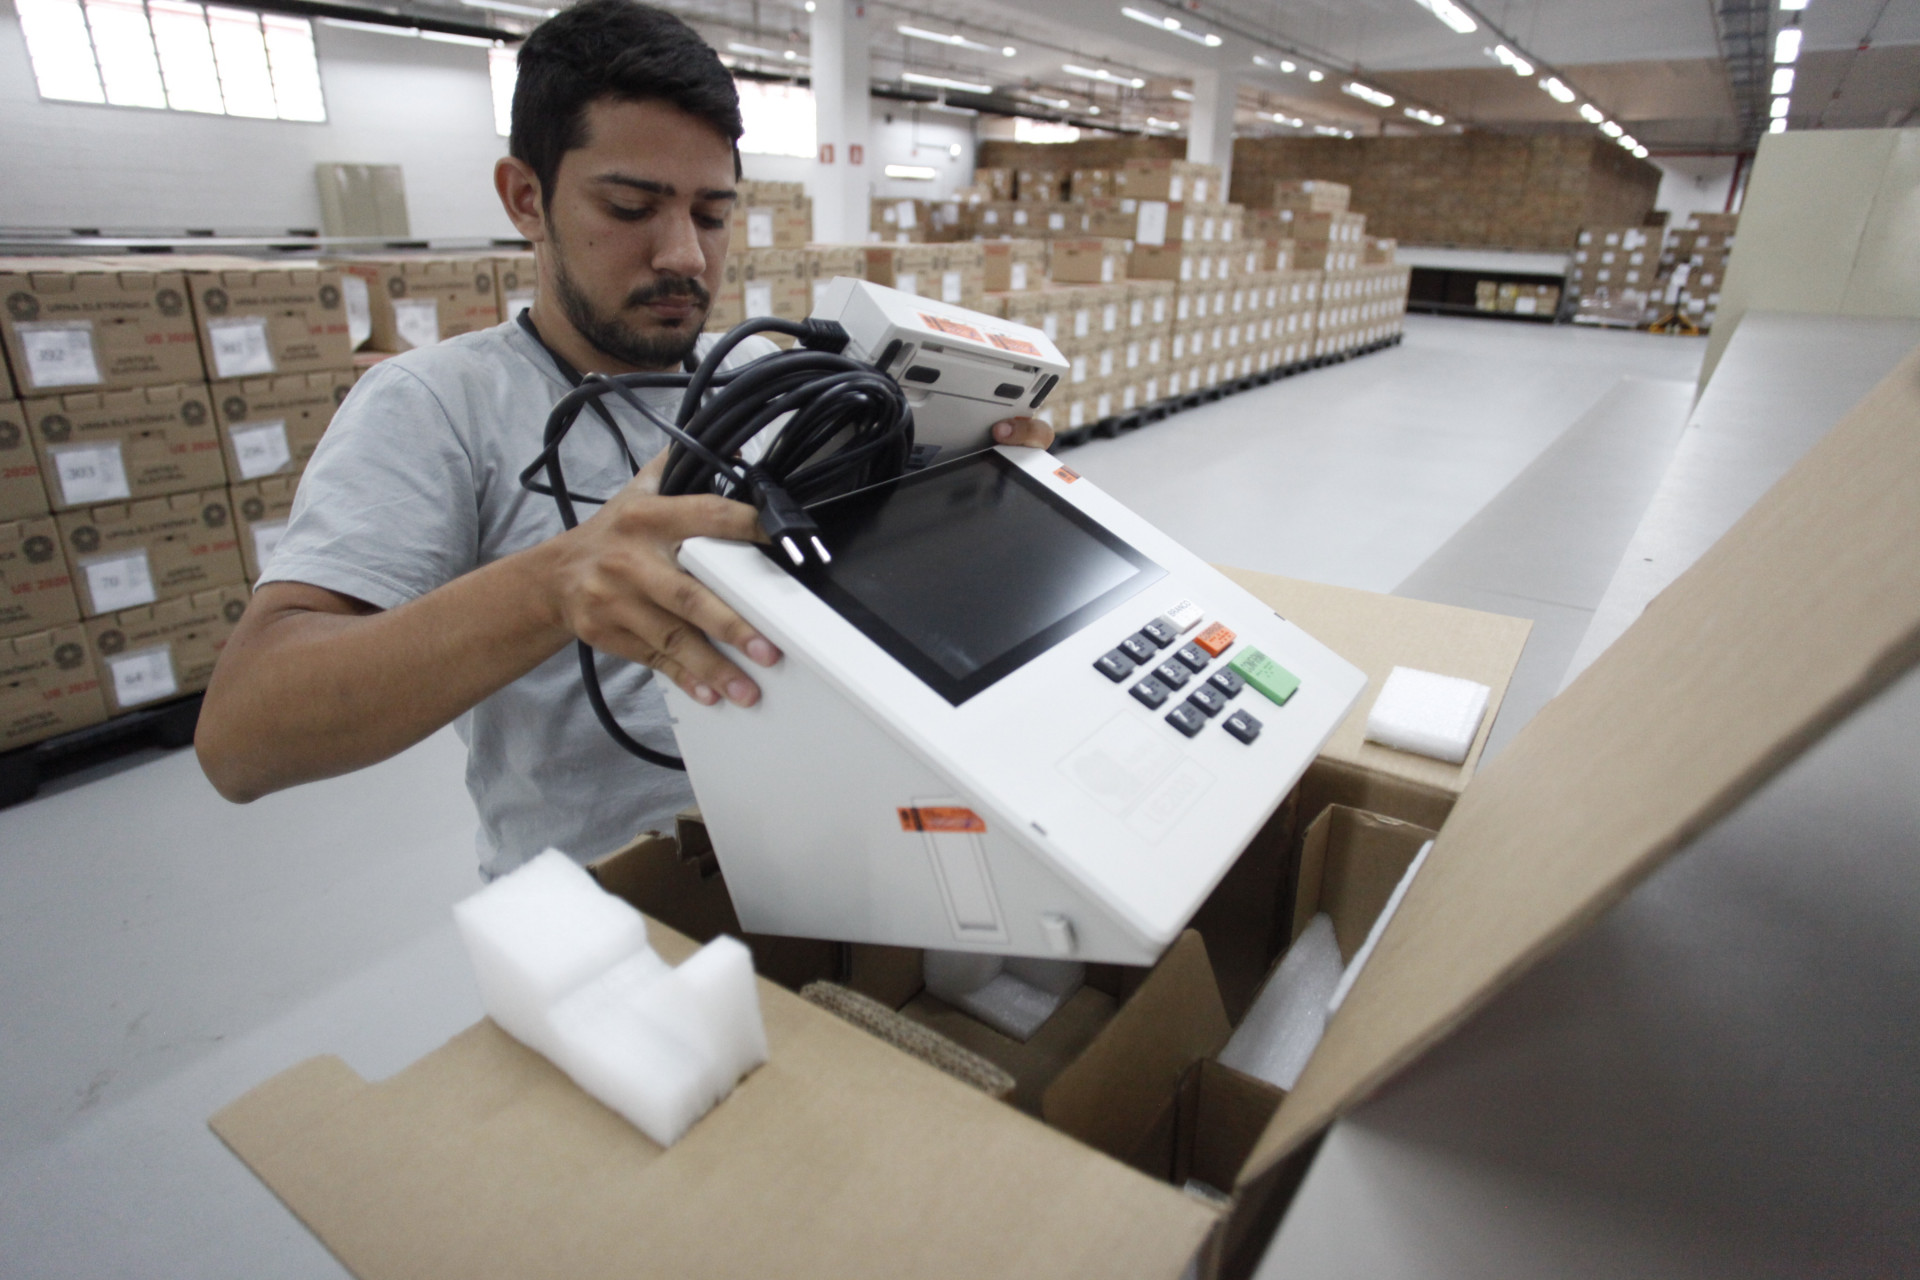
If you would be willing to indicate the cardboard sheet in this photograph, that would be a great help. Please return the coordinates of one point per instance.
(1809, 606)
(840, 1158)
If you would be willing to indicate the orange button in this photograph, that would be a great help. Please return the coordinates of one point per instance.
(1214, 639)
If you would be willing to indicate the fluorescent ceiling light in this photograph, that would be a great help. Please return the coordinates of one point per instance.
(1556, 90)
(1627, 141)
(1508, 58)
(1780, 108)
(1424, 116)
(1172, 26)
(1316, 76)
(955, 39)
(942, 82)
(1007, 51)
(1793, 6)
(1162, 124)
(1326, 131)
(1611, 129)
(1059, 104)
(1180, 94)
(1451, 14)
(809, 6)
(912, 172)
(1366, 94)
(1783, 80)
(751, 50)
(380, 28)
(1786, 45)
(1591, 114)
(505, 6)
(1778, 126)
(1285, 65)
(448, 37)
(1640, 152)
(1103, 75)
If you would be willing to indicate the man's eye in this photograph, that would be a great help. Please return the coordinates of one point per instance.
(707, 222)
(629, 214)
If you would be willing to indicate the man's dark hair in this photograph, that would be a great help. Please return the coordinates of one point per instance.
(617, 49)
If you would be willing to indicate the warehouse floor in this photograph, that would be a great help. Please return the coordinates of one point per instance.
(163, 952)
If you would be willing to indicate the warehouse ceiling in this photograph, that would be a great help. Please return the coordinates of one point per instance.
(1683, 76)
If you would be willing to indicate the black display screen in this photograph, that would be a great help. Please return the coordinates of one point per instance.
(967, 571)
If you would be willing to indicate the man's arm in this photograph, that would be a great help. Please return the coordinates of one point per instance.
(314, 683)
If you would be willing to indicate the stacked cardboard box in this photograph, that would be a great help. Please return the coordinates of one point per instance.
(1617, 263)
(1038, 186)
(825, 262)
(1517, 299)
(115, 464)
(1170, 180)
(954, 273)
(899, 221)
(1695, 262)
(516, 277)
(771, 215)
(417, 299)
(1362, 308)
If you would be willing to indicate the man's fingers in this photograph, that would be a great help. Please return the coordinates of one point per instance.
(642, 632)
(1028, 432)
(685, 597)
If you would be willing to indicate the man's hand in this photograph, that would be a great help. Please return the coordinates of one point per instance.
(1030, 432)
(618, 586)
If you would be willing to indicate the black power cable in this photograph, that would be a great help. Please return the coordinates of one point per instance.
(847, 426)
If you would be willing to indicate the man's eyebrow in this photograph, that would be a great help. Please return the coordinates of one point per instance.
(667, 189)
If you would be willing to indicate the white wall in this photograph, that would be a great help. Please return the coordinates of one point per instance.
(423, 105)
(1693, 184)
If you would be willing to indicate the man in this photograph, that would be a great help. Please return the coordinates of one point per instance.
(419, 584)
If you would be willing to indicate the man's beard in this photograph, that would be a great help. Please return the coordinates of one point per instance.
(615, 338)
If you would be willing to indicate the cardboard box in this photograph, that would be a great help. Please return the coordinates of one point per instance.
(825, 262)
(998, 182)
(417, 300)
(269, 426)
(516, 279)
(1037, 186)
(48, 686)
(908, 268)
(776, 282)
(74, 323)
(1172, 180)
(1010, 218)
(256, 320)
(23, 492)
(1089, 261)
(260, 511)
(36, 585)
(1380, 251)
(110, 446)
(900, 221)
(770, 215)
(137, 553)
(164, 650)
(1314, 195)
(1013, 266)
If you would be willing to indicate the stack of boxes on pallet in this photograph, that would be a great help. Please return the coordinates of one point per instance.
(1630, 276)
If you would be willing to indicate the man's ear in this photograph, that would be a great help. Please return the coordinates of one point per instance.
(520, 196)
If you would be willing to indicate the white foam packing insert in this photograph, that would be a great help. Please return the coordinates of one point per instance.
(540, 933)
(565, 968)
(1283, 1028)
(1428, 714)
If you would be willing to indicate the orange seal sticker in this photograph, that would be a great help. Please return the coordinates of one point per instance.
(954, 327)
(941, 818)
(1067, 474)
(1007, 342)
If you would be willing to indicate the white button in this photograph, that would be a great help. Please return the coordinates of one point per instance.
(1184, 615)
(1058, 931)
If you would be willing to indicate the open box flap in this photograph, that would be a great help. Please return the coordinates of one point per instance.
(842, 1157)
(1803, 611)
(1377, 633)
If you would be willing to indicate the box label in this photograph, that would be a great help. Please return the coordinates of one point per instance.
(417, 321)
(1056, 222)
(59, 353)
(760, 228)
(143, 675)
(123, 580)
(903, 214)
(260, 448)
(820, 293)
(519, 301)
(907, 282)
(91, 473)
(1150, 224)
(353, 289)
(759, 295)
(1017, 276)
(240, 346)
(266, 539)
(1050, 325)
(950, 290)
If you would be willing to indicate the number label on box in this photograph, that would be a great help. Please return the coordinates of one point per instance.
(145, 675)
(123, 580)
(260, 448)
(417, 321)
(266, 539)
(59, 353)
(240, 346)
(91, 473)
(759, 298)
(760, 228)
(359, 309)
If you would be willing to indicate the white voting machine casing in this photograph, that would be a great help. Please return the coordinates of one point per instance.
(962, 371)
(937, 761)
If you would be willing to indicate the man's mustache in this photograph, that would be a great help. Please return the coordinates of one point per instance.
(672, 289)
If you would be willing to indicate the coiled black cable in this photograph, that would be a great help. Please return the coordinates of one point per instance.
(847, 426)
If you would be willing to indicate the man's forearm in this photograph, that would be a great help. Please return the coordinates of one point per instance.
(304, 693)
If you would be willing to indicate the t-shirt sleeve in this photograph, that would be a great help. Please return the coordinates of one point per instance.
(387, 509)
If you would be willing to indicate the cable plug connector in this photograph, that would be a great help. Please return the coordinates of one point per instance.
(825, 335)
(785, 520)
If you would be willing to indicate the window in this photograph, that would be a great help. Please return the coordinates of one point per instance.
(170, 54)
(779, 119)
(504, 68)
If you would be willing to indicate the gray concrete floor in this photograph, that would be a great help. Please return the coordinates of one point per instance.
(161, 952)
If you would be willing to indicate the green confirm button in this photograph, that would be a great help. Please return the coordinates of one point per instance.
(1266, 675)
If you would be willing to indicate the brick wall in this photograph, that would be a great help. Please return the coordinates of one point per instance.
(1089, 153)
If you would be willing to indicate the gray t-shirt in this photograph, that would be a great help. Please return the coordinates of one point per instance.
(417, 482)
